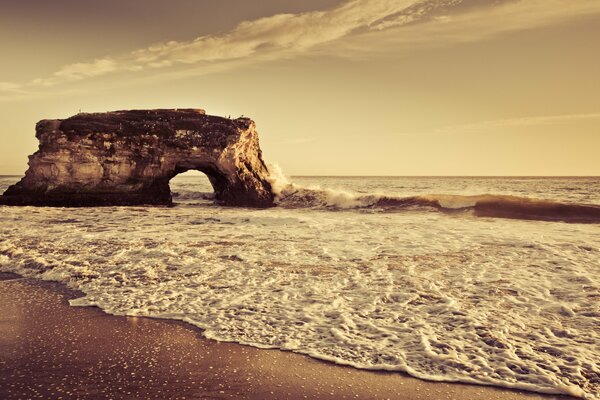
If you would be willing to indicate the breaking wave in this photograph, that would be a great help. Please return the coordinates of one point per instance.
(291, 195)
(192, 195)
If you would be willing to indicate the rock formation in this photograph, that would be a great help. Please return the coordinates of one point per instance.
(128, 158)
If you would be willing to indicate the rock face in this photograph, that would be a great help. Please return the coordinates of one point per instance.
(128, 158)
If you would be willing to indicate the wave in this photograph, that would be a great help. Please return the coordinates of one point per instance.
(186, 195)
(291, 195)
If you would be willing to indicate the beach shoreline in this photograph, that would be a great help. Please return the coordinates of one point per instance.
(49, 349)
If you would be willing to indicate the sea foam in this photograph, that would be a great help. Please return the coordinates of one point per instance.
(445, 297)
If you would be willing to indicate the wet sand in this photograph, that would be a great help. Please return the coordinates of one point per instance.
(49, 349)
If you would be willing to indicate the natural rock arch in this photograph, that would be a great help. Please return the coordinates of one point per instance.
(129, 157)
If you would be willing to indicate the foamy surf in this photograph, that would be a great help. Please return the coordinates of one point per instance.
(479, 205)
(491, 301)
(291, 195)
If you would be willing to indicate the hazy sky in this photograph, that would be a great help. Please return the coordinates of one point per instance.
(359, 87)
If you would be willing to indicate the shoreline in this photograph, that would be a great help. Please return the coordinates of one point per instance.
(49, 349)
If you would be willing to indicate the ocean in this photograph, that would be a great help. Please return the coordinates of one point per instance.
(462, 279)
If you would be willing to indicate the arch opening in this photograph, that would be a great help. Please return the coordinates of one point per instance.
(192, 187)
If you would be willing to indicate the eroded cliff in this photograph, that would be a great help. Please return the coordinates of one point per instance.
(128, 158)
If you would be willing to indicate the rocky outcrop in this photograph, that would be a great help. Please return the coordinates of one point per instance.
(128, 158)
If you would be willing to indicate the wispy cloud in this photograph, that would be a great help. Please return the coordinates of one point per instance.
(285, 35)
(278, 34)
(10, 87)
(299, 140)
(485, 126)
(465, 21)
(87, 70)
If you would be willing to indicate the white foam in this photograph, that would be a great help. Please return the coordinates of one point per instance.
(451, 298)
(288, 194)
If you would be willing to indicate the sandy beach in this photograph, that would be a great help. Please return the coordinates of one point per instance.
(49, 349)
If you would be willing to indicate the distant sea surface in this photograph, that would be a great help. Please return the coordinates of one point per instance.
(492, 281)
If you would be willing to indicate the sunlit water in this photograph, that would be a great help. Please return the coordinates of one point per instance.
(442, 296)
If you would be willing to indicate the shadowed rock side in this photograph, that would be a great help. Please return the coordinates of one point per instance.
(128, 158)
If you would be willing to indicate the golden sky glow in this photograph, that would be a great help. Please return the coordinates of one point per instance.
(359, 87)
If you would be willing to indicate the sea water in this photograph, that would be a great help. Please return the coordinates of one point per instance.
(346, 269)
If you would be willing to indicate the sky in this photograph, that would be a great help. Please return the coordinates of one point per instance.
(336, 87)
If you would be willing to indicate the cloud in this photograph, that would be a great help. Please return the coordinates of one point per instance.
(517, 122)
(411, 22)
(459, 21)
(87, 70)
(278, 34)
(78, 71)
(299, 140)
(10, 87)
